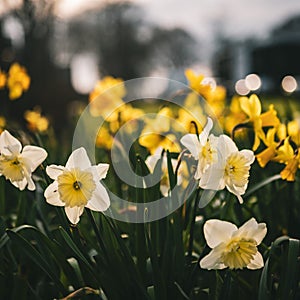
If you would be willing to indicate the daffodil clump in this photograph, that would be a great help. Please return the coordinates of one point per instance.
(16, 80)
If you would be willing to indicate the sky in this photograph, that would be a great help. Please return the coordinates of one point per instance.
(203, 17)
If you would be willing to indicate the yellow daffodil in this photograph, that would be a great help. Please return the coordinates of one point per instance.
(125, 114)
(18, 81)
(231, 170)
(104, 139)
(157, 133)
(191, 116)
(77, 185)
(16, 164)
(292, 165)
(235, 116)
(107, 96)
(252, 107)
(35, 121)
(2, 79)
(232, 247)
(270, 152)
(293, 129)
(197, 83)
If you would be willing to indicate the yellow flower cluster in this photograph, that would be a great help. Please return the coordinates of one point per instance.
(16, 80)
(35, 121)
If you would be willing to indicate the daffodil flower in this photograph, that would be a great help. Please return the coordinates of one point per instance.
(77, 185)
(203, 149)
(16, 164)
(232, 247)
(157, 133)
(270, 152)
(252, 107)
(231, 170)
(198, 84)
(151, 162)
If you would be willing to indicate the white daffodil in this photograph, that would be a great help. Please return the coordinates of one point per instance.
(232, 247)
(202, 149)
(151, 162)
(77, 185)
(231, 170)
(16, 164)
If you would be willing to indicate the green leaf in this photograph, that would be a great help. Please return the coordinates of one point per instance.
(289, 278)
(261, 184)
(35, 256)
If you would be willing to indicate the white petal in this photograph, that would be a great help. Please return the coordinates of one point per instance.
(226, 146)
(31, 184)
(52, 196)
(20, 184)
(100, 199)
(102, 170)
(251, 229)
(213, 178)
(191, 142)
(74, 213)
(205, 133)
(9, 144)
(78, 159)
(35, 155)
(238, 191)
(212, 260)
(257, 262)
(53, 171)
(249, 155)
(217, 232)
(151, 161)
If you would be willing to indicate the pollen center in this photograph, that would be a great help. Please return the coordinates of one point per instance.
(11, 167)
(237, 169)
(239, 253)
(76, 187)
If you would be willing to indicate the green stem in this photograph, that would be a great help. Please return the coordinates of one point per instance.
(191, 240)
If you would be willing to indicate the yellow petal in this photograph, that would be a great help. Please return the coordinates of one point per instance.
(251, 106)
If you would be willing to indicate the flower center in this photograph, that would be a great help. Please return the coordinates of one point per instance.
(11, 167)
(75, 187)
(237, 169)
(239, 253)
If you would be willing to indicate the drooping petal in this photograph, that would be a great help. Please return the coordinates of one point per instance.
(99, 200)
(78, 159)
(74, 213)
(205, 133)
(53, 171)
(212, 260)
(9, 144)
(191, 142)
(52, 196)
(257, 262)
(35, 155)
(20, 184)
(217, 232)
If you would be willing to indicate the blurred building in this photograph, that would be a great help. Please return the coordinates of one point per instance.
(272, 59)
